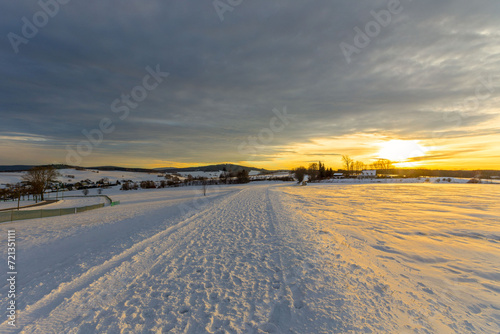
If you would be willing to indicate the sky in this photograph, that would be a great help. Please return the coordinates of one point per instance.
(270, 84)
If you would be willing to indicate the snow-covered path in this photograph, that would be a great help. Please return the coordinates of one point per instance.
(246, 259)
(231, 266)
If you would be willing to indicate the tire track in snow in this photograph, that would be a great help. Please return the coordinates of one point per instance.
(295, 258)
(66, 290)
(281, 313)
(222, 278)
(231, 267)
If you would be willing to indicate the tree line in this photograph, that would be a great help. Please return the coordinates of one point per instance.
(34, 183)
(356, 167)
(384, 167)
(319, 171)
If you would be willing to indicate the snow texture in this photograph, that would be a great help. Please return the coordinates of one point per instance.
(266, 258)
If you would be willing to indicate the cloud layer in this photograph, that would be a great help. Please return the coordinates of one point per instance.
(431, 72)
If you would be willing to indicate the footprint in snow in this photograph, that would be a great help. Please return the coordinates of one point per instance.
(237, 280)
(183, 310)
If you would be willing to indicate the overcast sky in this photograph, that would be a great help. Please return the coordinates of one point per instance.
(426, 74)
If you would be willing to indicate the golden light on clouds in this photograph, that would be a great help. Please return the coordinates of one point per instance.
(363, 147)
(442, 153)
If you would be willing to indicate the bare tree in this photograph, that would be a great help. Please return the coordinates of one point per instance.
(348, 163)
(39, 178)
(378, 165)
(388, 164)
(3, 194)
(204, 184)
(383, 164)
(17, 192)
(359, 166)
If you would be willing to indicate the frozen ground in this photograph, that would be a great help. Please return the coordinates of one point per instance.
(68, 202)
(72, 176)
(275, 258)
(72, 202)
(13, 204)
(408, 180)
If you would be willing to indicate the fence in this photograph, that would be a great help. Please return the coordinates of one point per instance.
(104, 196)
(32, 214)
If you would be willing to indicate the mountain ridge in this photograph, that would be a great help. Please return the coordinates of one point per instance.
(206, 168)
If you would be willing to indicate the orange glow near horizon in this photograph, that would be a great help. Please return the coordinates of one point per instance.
(454, 153)
(473, 153)
(465, 147)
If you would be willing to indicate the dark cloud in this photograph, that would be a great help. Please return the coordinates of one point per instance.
(227, 76)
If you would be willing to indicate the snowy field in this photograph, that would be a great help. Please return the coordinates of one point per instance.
(76, 202)
(13, 204)
(72, 176)
(266, 258)
(409, 180)
(72, 199)
(66, 175)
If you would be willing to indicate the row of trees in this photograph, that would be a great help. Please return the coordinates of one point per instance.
(318, 171)
(16, 192)
(35, 182)
(239, 177)
(315, 171)
(39, 179)
(355, 167)
(385, 166)
(352, 168)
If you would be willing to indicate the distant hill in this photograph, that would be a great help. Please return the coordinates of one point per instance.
(123, 169)
(15, 168)
(22, 168)
(210, 168)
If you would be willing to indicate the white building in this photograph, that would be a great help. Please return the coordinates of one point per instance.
(368, 174)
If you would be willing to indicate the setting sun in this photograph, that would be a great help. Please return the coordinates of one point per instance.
(401, 150)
